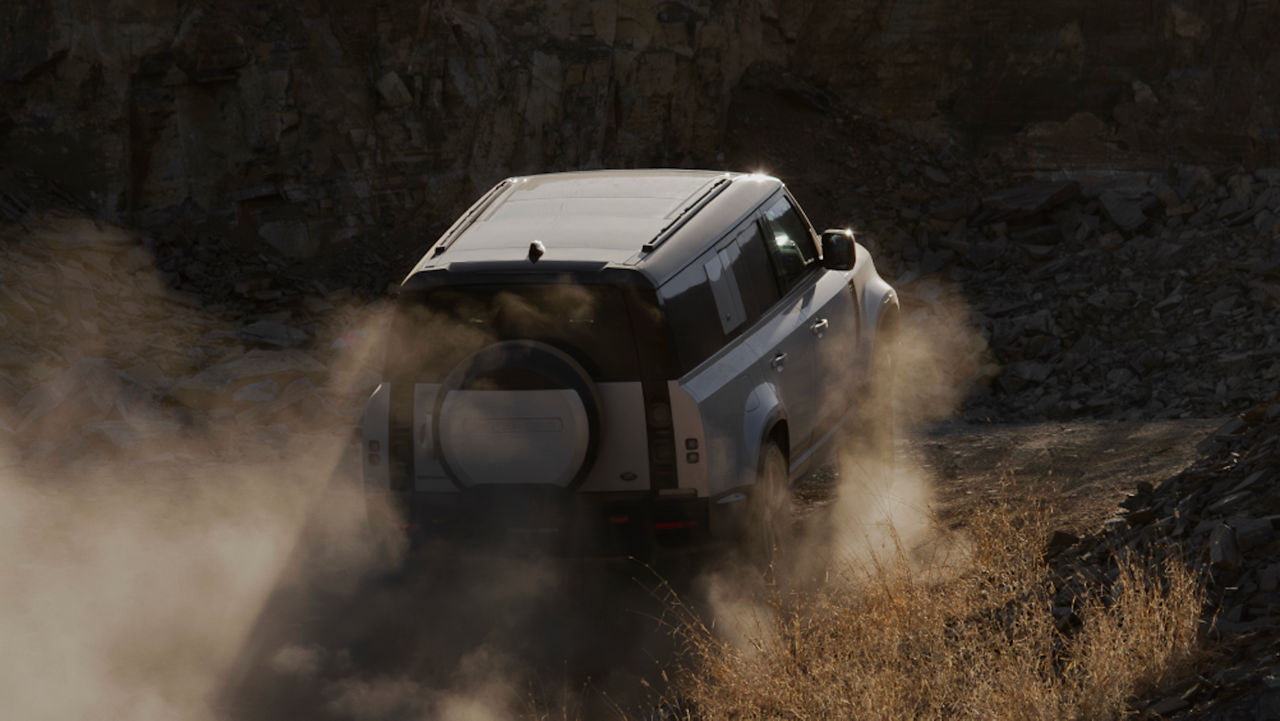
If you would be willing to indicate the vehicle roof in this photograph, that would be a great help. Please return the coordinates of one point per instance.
(654, 221)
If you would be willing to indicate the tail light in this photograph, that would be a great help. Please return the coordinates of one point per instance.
(662, 438)
(659, 415)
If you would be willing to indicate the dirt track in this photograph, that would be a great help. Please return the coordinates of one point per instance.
(501, 632)
(1083, 468)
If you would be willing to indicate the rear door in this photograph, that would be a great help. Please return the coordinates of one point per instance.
(785, 342)
(712, 308)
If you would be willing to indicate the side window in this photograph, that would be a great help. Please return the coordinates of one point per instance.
(724, 287)
(790, 243)
(756, 282)
(691, 310)
(710, 302)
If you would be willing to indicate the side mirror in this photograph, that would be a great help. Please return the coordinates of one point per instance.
(837, 249)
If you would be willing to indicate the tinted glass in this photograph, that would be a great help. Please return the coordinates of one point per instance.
(434, 331)
(791, 245)
(691, 312)
(724, 288)
(756, 282)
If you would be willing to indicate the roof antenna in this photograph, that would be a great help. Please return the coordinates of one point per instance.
(536, 251)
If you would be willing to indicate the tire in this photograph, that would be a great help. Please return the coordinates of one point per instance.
(769, 513)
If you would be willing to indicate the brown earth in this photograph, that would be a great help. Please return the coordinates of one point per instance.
(1082, 469)
(537, 634)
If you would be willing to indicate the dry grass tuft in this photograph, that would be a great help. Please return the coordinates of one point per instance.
(892, 640)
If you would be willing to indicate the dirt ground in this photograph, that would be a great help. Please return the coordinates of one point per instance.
(529, 635)
(1080, 470)
(1083, 469)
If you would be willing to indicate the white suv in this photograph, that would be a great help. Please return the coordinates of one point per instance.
(620, 354)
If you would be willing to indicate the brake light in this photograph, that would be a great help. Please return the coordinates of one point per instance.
(661, 436)
(659, 415)
(662, 453)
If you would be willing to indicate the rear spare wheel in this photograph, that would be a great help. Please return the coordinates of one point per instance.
(517, 412)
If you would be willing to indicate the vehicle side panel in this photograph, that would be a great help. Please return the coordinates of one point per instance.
(838, 368)
(722, 388)
(874, 296)
(783, 336)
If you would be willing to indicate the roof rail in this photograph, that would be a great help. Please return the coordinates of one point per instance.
(686, 214)
(461, 224)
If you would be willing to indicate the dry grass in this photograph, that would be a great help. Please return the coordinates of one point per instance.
(893, 639)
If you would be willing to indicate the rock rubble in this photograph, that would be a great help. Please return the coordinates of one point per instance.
(1222, 515)
(1142, 296)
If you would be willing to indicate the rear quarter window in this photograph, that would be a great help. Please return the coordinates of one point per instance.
(691, 312)
(720, 295)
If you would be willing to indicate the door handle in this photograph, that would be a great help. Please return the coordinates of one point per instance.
(779, 361)
(818, 327)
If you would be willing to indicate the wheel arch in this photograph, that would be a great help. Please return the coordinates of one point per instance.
(779, 434)
(765, 421)
(881, 305)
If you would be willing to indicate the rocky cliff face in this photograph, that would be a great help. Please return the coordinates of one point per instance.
(1083, 84)
(307, 125)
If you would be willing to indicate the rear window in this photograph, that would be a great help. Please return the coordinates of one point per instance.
(436, 329)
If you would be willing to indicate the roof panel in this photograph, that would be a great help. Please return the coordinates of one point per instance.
(612, 209)
(671, 184)
(597, 215)
(562, 232)
(582, 206)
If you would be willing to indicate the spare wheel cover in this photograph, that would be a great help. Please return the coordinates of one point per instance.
(479, 433)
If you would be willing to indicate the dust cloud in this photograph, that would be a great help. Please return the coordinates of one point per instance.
(874, 503)
(143, 527)
(183, 536)
(128, 596)
(884, 499)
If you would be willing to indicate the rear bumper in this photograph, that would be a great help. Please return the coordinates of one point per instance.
(553, 520)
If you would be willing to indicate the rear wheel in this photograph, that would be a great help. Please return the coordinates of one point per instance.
(769, 513)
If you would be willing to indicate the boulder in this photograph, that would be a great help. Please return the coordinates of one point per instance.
(1028, 201)
(392, 90)
(1125, 208)
(1224, 553)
